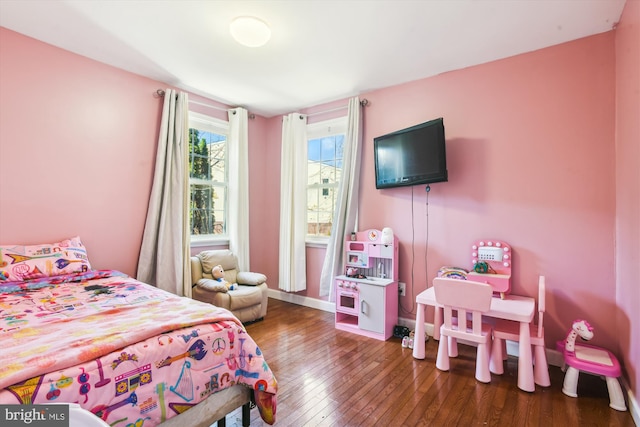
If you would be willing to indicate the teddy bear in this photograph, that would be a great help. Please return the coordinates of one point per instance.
(218, 275)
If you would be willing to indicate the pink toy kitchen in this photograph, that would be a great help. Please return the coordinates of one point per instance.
(367, 294)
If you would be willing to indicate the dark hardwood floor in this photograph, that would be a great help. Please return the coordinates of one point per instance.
(328, 377)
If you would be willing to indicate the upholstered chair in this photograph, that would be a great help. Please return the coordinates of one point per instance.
(248, 302)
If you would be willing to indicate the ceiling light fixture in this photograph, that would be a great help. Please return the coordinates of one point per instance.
(250, 31)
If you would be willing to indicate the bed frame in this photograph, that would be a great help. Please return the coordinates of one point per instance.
(215, 407)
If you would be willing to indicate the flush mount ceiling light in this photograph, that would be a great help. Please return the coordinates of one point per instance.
(250, 31)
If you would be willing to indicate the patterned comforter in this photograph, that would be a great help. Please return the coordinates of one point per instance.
(122, 349)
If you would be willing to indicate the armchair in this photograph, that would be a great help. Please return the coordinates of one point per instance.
(248, 302)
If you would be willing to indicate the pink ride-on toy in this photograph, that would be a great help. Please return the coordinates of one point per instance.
(591, 359)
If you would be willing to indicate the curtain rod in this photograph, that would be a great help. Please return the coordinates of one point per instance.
(363, 103)
(160, 93)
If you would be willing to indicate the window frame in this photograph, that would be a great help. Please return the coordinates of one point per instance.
(321, 129)
(203, 122)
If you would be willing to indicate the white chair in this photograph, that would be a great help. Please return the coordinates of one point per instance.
(465, 297)
(504, 330)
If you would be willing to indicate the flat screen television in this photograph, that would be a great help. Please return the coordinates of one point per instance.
(411, 156)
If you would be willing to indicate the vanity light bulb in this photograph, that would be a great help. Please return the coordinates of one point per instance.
(498, 244)
(489, 243)
(474, 247)
(481, 243)
(474, 254)
(505, 256)
(506, 264)
(506, 249)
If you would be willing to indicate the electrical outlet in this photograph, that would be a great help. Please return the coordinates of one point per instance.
(402, 289)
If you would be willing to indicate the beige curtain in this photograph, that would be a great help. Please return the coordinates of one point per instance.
(239, 186)
(293, 204)
(164, 255)
(346, 214)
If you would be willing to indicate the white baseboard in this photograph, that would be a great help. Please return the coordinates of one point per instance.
(632, 403)
(302, 300)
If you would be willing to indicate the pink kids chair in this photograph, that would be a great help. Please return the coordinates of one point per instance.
(591, 359)
(465, 297)
(509, 330)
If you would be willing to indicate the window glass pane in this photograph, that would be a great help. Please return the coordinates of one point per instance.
(324, 172)
(339, 150)
(217, 161)
(207, 155)
(312, 199)
(203, 216)
(312, 221)
(208, 176)
(328, 148)
(328, 173)
(219, 225)
(313, 149)
(325, 222)
(314, 173)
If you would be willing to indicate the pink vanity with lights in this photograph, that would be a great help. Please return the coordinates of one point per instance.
(492, 264)
(367, 295)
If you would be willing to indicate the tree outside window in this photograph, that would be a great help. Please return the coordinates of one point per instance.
(207, 176)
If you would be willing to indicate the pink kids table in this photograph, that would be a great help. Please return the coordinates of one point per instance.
(512, 307)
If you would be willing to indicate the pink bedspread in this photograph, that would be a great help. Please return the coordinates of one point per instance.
(122, 349)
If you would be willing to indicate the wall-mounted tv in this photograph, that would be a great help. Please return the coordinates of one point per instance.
(411, 156)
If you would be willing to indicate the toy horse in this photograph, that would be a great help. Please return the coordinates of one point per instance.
(592, 359)
(580, 328)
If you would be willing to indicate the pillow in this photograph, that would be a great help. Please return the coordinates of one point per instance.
(19, 262)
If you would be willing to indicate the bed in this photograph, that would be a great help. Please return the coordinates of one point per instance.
(124, 350)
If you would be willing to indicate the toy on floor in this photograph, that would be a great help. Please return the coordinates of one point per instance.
(591, 359)
(408, 340)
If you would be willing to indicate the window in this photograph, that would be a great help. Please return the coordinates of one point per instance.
(208, 179)
(324, 152)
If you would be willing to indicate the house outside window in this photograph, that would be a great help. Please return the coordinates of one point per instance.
(325, 153)
(208, 178)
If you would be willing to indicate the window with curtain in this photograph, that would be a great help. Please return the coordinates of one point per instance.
(208, 178)
(325, 143)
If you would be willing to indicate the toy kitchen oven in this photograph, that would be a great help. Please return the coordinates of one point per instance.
(367, 295)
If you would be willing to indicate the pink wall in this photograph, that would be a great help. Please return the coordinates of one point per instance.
(530, 146)
(77, 144)
(628, 188)
(264, 197)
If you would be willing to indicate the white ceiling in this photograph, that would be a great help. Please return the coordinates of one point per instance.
(320, 50)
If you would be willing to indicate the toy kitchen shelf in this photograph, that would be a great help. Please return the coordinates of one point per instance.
(367, 297)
